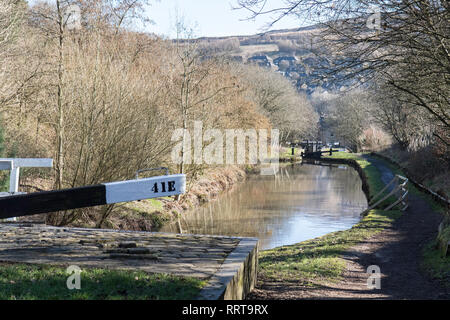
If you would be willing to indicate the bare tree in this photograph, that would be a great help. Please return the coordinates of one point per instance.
(195, 73)
(52, 23)
(11, 17)
(404, 43)
(12, 13)
(348, 118)
(288, 111)
(394, 111)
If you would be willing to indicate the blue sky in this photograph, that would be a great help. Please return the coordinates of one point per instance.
(210, 18)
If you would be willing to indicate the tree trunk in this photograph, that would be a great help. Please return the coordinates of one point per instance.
(60, 124)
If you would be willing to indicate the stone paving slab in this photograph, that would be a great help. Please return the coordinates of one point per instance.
(181, 254)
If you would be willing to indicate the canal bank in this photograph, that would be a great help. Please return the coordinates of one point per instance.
(334, 266)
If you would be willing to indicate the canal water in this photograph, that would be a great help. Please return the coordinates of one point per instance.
(302, 202)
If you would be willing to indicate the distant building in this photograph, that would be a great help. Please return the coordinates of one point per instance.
(260, 60)
(290, 59)
(237, 58)
(309, 62)
(257, 58)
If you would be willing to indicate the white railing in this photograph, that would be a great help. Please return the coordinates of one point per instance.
(14, 165)
(399, 191)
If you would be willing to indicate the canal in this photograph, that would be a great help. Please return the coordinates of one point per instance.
(302, 202)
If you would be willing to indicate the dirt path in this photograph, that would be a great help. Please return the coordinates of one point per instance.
(397, 251)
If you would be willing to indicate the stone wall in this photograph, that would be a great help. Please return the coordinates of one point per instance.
(237, 276)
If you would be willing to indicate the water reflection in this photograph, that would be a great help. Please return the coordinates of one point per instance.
(300, 203)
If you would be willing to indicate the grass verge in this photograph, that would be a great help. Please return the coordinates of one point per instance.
(44, 282)
(318, 260)
(286, 154)
(435, 265)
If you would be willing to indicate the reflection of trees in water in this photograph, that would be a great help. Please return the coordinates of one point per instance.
(264, 202)
(343, 189)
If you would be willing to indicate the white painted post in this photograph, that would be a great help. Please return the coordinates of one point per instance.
(14, 164)
(14, 183)
(14, 179)
(30, 162)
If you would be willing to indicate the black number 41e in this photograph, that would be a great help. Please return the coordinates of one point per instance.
(163, 187)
